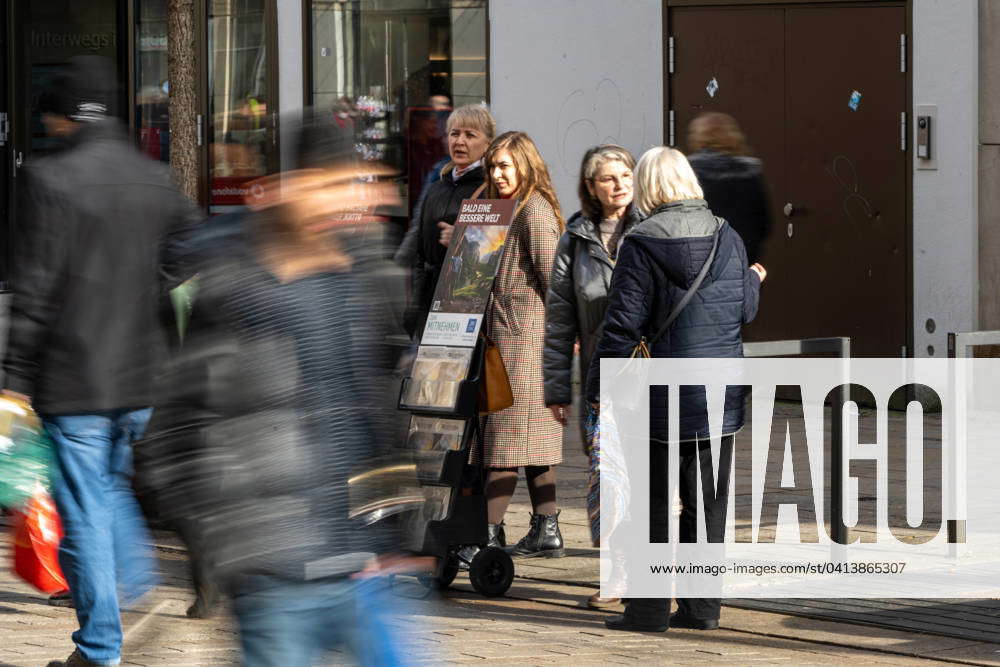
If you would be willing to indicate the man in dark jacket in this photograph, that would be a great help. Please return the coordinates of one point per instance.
(85, 334)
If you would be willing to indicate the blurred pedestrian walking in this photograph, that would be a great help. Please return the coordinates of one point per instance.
(680, 248)
(85, 336)
(282, 368)
(527, 434)
(578, 294)
(731, 178)
(470, 130)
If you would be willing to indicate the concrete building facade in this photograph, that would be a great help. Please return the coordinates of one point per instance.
(571, 73)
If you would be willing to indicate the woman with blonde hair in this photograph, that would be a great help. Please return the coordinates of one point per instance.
(730, 177)
(470, 130)
(683, 283)
(578, 294)
(527, 434)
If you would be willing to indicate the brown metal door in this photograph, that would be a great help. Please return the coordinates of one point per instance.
(787, 75)
(743, 52)
(847, 175)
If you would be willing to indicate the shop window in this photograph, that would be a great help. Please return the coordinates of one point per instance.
(390, 71)
(241, 132)
(48, 34)
(152, 88)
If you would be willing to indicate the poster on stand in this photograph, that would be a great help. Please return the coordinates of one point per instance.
(466, 279)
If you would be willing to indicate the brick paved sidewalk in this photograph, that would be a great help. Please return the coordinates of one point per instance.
(539, 623)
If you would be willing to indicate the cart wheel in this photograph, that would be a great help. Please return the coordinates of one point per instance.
(491, 572)
(442, 581)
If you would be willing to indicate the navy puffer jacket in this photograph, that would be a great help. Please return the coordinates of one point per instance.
(658, 262)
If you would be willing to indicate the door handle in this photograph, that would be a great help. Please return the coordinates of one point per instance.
(789, 211)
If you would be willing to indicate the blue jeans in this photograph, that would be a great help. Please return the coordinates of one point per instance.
(105, 550)
(293, 623)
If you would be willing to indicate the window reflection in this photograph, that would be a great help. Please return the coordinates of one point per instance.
(152, 87)
(389, 71)
(52, 32)
(241, 127)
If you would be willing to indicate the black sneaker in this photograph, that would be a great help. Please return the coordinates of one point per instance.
(74, 660)
(61, 599)
(681, 620)
(619, 622)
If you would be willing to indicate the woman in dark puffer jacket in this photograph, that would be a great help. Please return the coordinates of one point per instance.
(658, 262)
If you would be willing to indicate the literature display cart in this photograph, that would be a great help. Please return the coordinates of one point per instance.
(442, 395)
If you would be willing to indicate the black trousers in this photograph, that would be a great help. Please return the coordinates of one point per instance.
(657, 609)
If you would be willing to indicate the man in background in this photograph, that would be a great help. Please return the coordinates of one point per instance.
(89, 272)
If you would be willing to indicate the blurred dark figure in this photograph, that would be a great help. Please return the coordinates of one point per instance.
(344, 113)
(439, 102)
(731, 179)
(281, 386)
(406, 253)
(425, 147)
(85, 336)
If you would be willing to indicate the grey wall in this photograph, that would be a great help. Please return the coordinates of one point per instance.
(945, 201)
(574, 73)
(290, 75)
(989, 164)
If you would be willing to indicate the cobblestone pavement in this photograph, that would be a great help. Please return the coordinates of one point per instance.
(539, 623)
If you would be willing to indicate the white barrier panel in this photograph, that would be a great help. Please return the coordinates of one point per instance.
(920, 490)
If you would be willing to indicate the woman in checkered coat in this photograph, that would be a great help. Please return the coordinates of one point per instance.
(526, 434)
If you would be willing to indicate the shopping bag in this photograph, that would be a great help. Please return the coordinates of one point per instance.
(25, 453)
(37, 533)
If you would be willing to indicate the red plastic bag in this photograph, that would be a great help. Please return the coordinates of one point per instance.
(37, 532)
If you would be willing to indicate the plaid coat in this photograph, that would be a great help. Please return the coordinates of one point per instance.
(525, 433)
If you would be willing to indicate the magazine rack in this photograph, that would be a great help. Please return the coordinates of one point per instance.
(454, 516)
(442, 396)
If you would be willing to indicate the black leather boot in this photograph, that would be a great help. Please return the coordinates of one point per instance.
(543, 539)
(495, 537)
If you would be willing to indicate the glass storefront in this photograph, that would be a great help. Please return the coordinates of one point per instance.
(238, 121)
(49, 33)
(242, 140)
(152, 88)
(390, 71)
(386, 71)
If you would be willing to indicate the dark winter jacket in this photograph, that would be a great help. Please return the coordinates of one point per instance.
(93, 259)
(441, 203)
(575, 304)
(658, 262)
(407, 250)
(735, 191)
(278, 396)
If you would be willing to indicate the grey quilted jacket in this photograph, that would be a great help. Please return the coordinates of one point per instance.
(575, 304)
